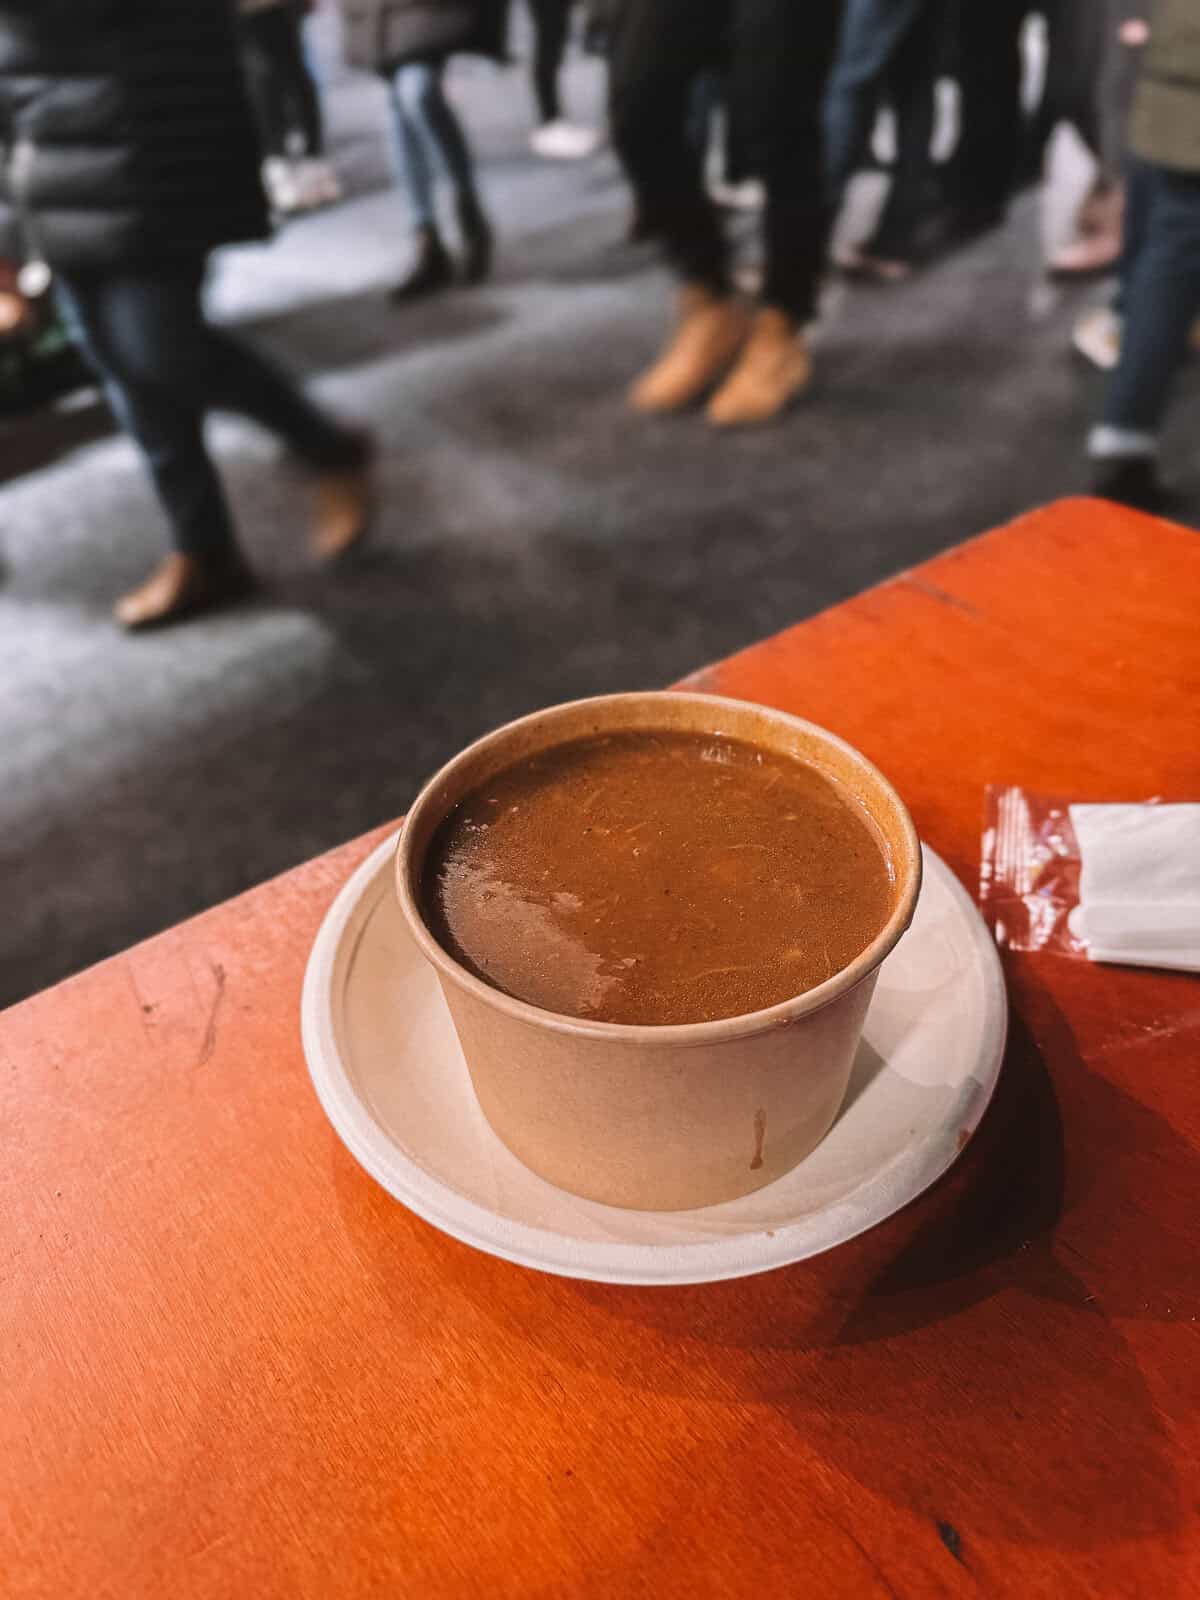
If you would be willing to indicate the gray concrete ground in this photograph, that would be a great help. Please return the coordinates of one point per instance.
(535, 541)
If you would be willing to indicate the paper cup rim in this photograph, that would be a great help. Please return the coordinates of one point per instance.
(722, 1029)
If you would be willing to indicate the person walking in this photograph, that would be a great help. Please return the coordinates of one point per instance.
(286, 105)
(1160, 271)
(130, 155)
(408, 43)
(555, 138)
(776, 54)
(888, 50)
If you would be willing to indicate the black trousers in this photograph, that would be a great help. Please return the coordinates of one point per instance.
(985, 165)
(1077, 47)
(164, 367)
(777, 55)
(997, 148)
(282, 92)
(551, 23)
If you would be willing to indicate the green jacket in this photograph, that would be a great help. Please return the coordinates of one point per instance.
(1166, 110)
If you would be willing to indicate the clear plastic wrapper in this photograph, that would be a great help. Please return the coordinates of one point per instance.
(1029, 871)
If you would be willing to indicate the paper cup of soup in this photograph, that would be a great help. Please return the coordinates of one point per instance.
(657, 920)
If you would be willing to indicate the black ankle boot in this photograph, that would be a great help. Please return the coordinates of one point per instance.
(431, 268)
(477, 241)
(1134, 481)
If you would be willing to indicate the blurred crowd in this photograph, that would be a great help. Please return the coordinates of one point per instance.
(137, 137)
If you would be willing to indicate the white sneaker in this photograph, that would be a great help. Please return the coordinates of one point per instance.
(564, 141)
(1097, 337)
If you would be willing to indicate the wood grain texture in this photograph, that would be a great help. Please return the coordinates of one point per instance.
(231, 1366)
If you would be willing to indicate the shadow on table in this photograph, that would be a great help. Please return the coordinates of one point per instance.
(891, 1339)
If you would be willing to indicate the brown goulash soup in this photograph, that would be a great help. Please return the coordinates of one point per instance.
(657, 878)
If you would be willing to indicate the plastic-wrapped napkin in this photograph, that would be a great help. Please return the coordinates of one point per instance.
(1139, 884)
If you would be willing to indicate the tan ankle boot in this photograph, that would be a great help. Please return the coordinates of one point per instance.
(345, 501)
(184, 586)
(708, 334)
(344, 504)
(774, 368)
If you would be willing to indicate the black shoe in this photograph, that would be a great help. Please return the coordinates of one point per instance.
(1133, 481)
(431, 269)
(962, 225)
(477, 241)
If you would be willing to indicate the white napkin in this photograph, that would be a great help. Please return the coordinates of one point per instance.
(1139, 887)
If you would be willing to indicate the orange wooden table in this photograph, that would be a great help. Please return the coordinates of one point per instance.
(233, 1367)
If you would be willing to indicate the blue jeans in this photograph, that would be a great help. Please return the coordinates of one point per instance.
(887, 51)
(164, 367)
(428, 129)
(1160, 296)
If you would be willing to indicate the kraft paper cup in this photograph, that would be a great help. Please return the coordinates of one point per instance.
(661, 1118)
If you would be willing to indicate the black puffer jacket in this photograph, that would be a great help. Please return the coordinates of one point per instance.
(381, 35)
(125, 136)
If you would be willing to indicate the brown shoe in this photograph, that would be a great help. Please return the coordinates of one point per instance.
(708, 335)
(774, 369)
(345, 502)
(184, 586)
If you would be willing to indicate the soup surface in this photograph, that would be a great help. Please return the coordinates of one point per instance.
(656, 878)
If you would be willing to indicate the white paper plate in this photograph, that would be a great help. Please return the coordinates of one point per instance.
(388, 1070)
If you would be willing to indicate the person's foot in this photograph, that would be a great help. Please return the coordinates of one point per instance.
(775, 368)
(748, 195)
(184, 586)
(709, 332)
(477, 242)
(561, 140)
(345, 500)
(317, 184)
(1097, 337)
(1133, 481)
(857, 262)
(1088, 257)
(431, 268)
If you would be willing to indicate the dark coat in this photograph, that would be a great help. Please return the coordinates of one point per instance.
(381, 35)
(125, 135)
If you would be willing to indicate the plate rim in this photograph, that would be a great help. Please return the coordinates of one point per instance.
(618, 1262)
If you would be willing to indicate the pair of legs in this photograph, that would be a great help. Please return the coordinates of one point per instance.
(1160, 301)
(555, 136)
(287, 109)
(428, 134)
(164, 367)
(282, 92)
(889, 50)
(1075, 57)
(777, 54)
(998, 148)
(985, 167)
